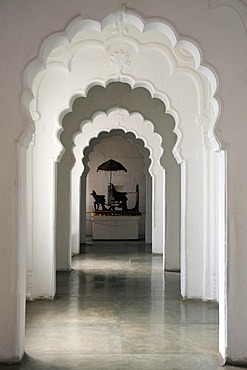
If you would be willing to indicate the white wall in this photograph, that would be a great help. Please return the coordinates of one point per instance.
(219, 28)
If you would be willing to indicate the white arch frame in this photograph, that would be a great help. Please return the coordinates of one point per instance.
(142, 129)
(75, 247)
(177, 78)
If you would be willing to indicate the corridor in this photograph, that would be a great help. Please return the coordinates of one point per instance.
(117, 310)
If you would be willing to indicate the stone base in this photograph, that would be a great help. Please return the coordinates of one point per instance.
(115, 227)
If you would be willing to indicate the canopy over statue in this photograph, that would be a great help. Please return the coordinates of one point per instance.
(116, 199)
(111, 166)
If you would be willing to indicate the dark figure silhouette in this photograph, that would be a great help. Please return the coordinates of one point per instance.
(99, 201)
(119, 199)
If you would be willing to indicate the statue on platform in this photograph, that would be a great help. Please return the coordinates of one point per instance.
(117, 199)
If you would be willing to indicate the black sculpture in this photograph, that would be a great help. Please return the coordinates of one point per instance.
(119, 199)
(99, 201)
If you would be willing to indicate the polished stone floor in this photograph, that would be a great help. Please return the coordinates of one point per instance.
(118, 310)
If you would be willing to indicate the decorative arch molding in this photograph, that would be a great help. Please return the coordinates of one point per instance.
(124, 48)
(149, 54)
(144, 152)
(138, 100)
(120, 41)
(117, 119)
(121, 119)
(109, 134)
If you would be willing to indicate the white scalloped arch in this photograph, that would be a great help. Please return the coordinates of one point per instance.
(118, 119)
(119, 132)
(146, 54)
(59, 50)
(78, 217)
(142, 129)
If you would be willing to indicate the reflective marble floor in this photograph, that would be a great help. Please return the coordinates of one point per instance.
(118, 310)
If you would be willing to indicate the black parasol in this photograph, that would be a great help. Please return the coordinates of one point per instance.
(111, 166)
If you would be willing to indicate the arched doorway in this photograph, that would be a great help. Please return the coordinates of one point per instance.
(130, 152)
(142, 129)
(134, 100)
(139, 173)
(171, 71)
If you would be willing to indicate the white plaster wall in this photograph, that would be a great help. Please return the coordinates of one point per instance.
(219, 27)
(127, 153)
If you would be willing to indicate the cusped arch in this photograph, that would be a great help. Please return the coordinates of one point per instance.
(143, 172)
(115, 40)
(117, 119)
(117, 132)
(120, 119)
(167, 66)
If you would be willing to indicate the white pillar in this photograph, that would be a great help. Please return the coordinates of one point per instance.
(173, 214)
(158, 214)
(148, 220)
(212, 207)
(63, 236)
(237, 256)
(29, 220)
(75, 213)
(13, 256)
(221, 235)
(44, 225)
(183, 264)
(192, 203)
(83, 208)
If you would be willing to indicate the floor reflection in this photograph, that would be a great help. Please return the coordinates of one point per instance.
(118, 310)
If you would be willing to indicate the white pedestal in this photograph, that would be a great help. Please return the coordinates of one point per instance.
(115, 227)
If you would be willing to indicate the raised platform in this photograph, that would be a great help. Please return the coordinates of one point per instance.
(115, 225)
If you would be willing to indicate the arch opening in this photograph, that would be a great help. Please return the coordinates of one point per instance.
(133, 100)
(127, 149)
(185, 87)
(128, 123)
